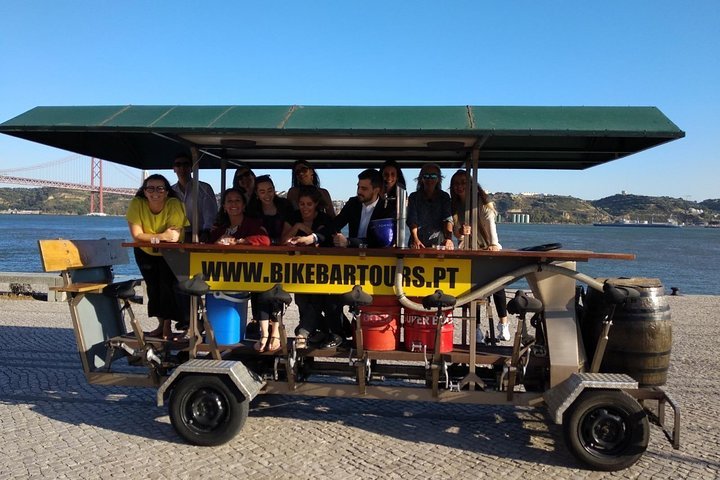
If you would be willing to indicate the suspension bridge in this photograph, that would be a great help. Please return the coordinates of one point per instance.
(73, 173)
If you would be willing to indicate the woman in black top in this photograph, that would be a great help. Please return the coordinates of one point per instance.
(321, 318)
(269, 207)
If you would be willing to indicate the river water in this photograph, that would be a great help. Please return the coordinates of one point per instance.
(686, 258)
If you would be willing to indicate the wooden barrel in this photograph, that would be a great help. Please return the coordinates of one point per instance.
(640, 338)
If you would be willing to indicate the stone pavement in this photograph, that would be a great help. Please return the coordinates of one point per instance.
(54, 425)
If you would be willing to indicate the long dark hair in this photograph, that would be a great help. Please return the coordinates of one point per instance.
(254, 206)
(314, 194)
(222, 217)
(400, 176)
(296, 182)
(156, 176)
(236, 178)
(456, 203)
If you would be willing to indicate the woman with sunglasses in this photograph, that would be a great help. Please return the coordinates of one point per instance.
(487, 238)
(244, 178)
(304, 174)
(156, 215)
(429, 216)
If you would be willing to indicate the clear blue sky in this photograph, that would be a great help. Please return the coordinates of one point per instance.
(654, 52)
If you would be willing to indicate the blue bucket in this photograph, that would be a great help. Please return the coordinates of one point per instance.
(381, 233)
(227, 314)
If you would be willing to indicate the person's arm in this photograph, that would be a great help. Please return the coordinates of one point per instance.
(414, 240)
(139, 235)
(448, 233)
(289, 231)
(342, 219)
(488, 216)
(447, 222)
(413, 221)
(303, 240)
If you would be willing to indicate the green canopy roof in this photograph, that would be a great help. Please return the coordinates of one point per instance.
(148, 137)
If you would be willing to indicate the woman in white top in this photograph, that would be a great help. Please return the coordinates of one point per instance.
(487, 238)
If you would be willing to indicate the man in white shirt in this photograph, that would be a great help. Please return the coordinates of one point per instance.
(207, 203)
(358, 211)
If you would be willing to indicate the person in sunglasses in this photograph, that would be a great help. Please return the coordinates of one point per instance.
(155, 215)
(304, 175)
(244, 178)
(207, 204)
(429, 216)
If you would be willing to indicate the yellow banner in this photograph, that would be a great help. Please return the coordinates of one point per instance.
(330, 274)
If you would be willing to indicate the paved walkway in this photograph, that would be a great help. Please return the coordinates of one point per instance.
(54, 425)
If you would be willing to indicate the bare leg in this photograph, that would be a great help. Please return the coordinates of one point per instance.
(261, 344)
(274, 341)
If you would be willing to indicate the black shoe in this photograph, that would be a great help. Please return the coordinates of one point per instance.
(333, 341)
(317, 338)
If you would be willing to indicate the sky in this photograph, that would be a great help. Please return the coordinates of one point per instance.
(329, 52)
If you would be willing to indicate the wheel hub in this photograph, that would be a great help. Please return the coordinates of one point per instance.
(205, 410)
(604, 430)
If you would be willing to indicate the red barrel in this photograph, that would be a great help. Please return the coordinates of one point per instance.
(420, 327)
(380, 323)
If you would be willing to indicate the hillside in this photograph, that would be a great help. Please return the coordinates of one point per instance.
(541, 208)
(59, 201)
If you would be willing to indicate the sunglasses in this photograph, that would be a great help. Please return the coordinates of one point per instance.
(301, 170)
(155, 189)
(430, 176)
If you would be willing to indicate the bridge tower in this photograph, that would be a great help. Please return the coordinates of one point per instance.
(96, 175)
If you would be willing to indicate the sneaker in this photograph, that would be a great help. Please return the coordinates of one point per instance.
(479, 337)
(503, 332)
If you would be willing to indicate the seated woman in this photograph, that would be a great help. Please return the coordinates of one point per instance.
(272, 210)
(233, 227)
(304, 175)
(320, 317)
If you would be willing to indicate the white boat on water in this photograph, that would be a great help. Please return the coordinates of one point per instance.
(624, 222)
(96, 214)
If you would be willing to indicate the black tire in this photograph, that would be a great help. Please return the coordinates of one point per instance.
(606, 429)
(204, 411)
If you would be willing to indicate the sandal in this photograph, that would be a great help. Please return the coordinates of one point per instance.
(300, 342)
(273, 345)
(261, 344)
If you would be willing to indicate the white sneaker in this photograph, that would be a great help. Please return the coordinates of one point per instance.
(479, 336)
(503, 332)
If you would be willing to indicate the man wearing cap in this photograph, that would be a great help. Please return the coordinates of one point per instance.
(207, 204)
(359, 211)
